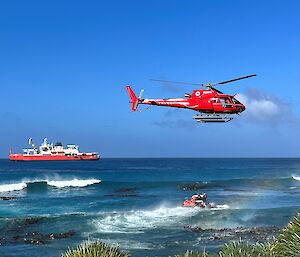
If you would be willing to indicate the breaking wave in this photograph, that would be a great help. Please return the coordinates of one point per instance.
(12, 187)
(296, 178)
(136, 221)
(54, 183)
(73, 183)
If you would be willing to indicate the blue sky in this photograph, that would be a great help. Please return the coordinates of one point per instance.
(64, 66)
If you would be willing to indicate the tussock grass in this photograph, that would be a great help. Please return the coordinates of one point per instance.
(288, 242)
(244, 249)
(95, 249)
(192, 254)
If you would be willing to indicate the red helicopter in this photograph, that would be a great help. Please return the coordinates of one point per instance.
(212, 104)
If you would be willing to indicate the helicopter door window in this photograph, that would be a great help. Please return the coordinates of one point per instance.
(214, 100)
(226, 102)
(222, 101)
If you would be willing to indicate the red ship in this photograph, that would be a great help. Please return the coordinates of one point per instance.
(50, 152)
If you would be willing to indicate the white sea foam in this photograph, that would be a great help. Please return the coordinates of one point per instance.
(296, 178)
(12, 187)
(139, 220)
(221, 207)
(55, 183)
(73, 183)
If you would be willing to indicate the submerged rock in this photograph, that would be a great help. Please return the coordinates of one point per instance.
(63, 235)
(32, 220)
(20, 231)
(19, 225)
(122, 195)
(38, 238)
(29, 238)
(124, 192)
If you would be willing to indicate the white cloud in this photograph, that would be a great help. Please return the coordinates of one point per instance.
(265, 108)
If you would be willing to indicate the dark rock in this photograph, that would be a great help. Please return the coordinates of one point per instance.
(29, 238)
(67, 234)
(256, 234)
(32, 220)
(7, 198)
(193, 186)
(126, 190)
(122, 195)
(38, 238)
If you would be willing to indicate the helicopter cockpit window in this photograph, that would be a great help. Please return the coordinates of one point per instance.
(235, 101)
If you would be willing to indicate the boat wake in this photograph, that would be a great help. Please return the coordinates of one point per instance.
(53, 183)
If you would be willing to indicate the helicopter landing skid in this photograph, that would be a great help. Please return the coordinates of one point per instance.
(204, 118)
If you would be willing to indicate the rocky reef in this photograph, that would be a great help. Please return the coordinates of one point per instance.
(20, 231)
(252, 234)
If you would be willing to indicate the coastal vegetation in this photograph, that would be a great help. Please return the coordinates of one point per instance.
(287, 244)
(95, 249)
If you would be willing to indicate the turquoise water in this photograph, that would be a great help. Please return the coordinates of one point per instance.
(137, 204)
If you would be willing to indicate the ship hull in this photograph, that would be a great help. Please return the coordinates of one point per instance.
(54, 157)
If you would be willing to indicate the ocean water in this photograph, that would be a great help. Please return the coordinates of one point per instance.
(136, 203)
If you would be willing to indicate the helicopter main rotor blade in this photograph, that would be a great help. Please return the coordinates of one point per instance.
(232, 80)
(218, 91)
(177, 82)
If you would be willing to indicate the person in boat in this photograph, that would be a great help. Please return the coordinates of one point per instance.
(203, 197)
(201, 200)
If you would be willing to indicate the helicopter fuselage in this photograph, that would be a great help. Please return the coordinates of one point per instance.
(205, 101)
